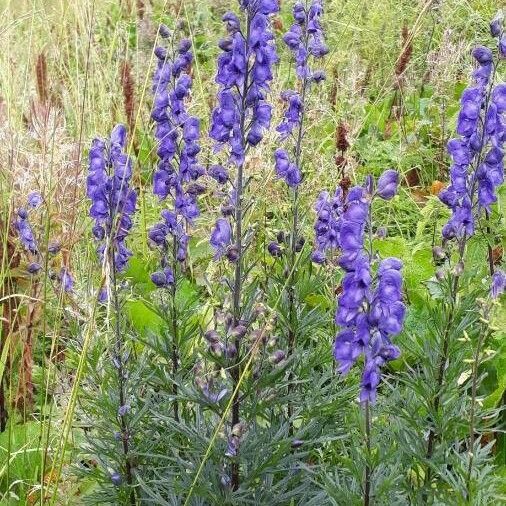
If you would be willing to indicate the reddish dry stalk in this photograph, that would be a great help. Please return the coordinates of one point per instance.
(127, 83)
(24, 395)
(9, 309)
(141, 9)
(407, 52)
(41, 75)
(400, 68)
(342, 146)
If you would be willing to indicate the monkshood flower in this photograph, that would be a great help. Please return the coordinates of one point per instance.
(25, 231)
(286, 169)
(34, 199)
(305, 40)
(113, 201)
(221, 237)
(477, 155)
(370, 310)
(177, 133)
(498, 283)
(66, 280)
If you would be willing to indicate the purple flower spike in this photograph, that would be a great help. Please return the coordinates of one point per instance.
(387, 184)
(306, 42)
(370, 310)
(477, 156)
(244, 61)
(113, 201)
(175, 179)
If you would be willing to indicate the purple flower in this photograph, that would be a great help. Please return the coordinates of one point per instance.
(124, 410)
(387, 184)
(498, 284)
(482, 55)
(292, 114)
(34, 268)
(116, 478)
(34, 199)
(502, 46)
(221, 237)
(287, 170)
(25, 232)
(163, 279)
(274, 249)
(219, 173)
(66, 280)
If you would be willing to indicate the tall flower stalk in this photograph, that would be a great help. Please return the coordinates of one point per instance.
(306, 41)
(370, 310)
(238, 122)
(476, 172)
(113, 203)
(175, 180)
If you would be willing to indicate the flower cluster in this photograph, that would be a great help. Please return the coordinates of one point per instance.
(25, 231)
(28, 239)
(177, 133)
(328, 212)
(113, 201)
(305, 39)
(244, 73)
(370, 310)
(477, 155)
(242, 114)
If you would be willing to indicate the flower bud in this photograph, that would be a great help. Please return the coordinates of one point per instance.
(238, 331)
(54, 247)
(277, 356)
(116, 478)
(297, 443)
(211, 336)
(381, 233)
(458, 269)
(387, 184)
(230, 350)
(164, 31)
(33, 268)
(274, 249)
(299, 244)
(232, 254)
